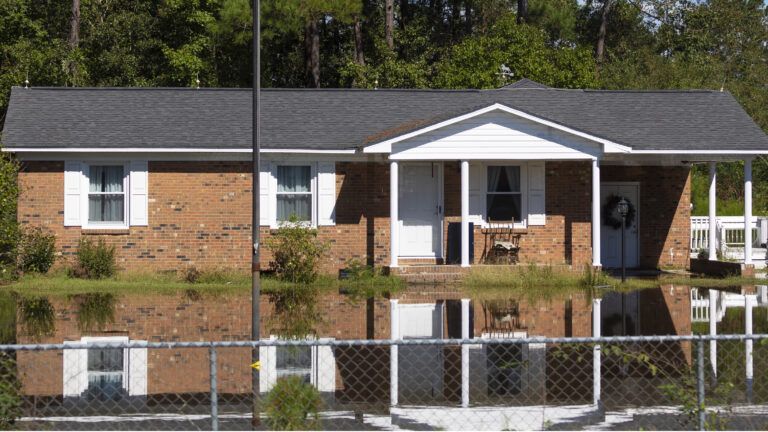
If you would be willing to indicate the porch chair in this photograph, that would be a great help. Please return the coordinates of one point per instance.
(504, 242)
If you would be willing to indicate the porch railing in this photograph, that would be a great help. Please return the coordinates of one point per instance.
(730, 233)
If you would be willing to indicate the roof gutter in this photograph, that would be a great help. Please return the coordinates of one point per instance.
(167, 150)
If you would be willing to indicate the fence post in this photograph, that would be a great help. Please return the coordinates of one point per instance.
(596, 331)
(394, 334)
(214, 394)
(465, 353)
(749, 303)
(700, 383)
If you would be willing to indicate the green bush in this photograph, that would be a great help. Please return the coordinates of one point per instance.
(94, 260)
(10, 392)
(296, 251)
(9, 227)
(293, 404)
(36, 251)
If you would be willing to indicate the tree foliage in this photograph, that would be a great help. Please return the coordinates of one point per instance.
(646, 44)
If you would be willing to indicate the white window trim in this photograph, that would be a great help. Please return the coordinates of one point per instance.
(313, 191)
(522, 224)
(269, 366)
(85, 194)
(75, 367)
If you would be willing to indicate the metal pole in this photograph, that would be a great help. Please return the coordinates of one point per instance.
(256, 211)
(700, 384)
(623, 266)
(214, 394)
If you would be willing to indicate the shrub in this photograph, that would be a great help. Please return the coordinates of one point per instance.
(36, 251)
(94, 261)
(9, 227)
(296, 250)
(293, 404)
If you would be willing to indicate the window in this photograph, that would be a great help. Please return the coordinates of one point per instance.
(105, 372)
(504, 194)
(294, 193)
(294, 361)
(106, 194)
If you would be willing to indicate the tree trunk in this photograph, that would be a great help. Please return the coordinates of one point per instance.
(359, 55)
(312, 53)
(74, 39)
(600, 48)
(389, 23)
(522, 11)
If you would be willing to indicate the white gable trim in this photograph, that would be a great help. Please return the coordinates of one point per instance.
(386, 146)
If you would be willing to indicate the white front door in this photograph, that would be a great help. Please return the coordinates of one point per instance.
(420, 209)
(420, 371)
(610, 237)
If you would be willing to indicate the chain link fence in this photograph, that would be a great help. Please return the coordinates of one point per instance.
(497, 382)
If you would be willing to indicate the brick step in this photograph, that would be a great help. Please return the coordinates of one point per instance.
(420, 269)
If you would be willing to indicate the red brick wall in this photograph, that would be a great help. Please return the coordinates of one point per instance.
(199, 214)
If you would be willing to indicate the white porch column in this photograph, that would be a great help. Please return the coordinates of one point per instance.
(712, 211)
(465, 213)
(596, 213)
(748, 211)
(465, 353)
(394, 225)
(394, 334)
(713, 294)
(596, 360)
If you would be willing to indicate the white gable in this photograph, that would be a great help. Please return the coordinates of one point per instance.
(495, 135)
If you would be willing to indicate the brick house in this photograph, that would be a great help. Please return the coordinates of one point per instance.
(164, 174)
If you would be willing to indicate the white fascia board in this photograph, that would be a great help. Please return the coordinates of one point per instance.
(167, 150)
(386, 146)
(701, 152)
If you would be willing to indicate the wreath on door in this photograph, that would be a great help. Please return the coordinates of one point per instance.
(611, 216)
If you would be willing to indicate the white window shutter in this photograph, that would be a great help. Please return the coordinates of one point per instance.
(73, 174)
(139, 185)
(268, 369)
(75, 371)
(265, 206)
(536, 193)
(326, 193)
(325, 368)
(137, 371)
(477, 193)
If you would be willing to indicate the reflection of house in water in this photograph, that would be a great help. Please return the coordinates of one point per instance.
(724, 300)
(512, 374)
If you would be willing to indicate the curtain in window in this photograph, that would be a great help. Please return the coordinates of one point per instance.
(294, 179)
(106, 200)
(503, 179)
(503, 202)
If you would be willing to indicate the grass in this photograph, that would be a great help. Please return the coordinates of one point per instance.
(541, 282)
(214, 282)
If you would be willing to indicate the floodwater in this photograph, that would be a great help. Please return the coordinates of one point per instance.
(356, 379)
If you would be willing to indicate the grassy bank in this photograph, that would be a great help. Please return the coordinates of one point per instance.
(207, 283)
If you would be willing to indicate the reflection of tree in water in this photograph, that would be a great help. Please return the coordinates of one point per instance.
(295, 314)
(36, 316)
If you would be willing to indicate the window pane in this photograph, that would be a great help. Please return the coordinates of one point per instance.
(298, 357)
(294, 179)
(503, 207)
(106, 208)
(105, 360)
(106, 178)
(294, 205)
(503, 179)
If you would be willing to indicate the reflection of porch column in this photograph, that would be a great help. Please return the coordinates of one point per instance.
(597, 331)
(394, 231)
(749, 303)
(712, 211)
(748, 211)
(596, 213)
(464, 213)
(713, 332)
(465, 353)
(394, 334)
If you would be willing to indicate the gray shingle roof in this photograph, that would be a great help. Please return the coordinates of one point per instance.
(343, 119)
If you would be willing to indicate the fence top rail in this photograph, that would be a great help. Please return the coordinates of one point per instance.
(377, 342)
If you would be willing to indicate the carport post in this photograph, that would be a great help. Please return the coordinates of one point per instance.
(749, 303)
(464, 353)
(596, 331)
(394, 335)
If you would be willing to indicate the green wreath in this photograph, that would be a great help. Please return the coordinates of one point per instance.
(611, 215)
